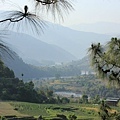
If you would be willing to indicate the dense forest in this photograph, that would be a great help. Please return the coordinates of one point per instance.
(14, 89)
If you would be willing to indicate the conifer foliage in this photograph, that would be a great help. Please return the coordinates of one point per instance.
(106, 60)
(24, 18)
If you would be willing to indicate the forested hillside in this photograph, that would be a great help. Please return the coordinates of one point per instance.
(34, 72)
(12, 88)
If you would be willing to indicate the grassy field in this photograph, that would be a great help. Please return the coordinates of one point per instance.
(48, 111)
(7, 109)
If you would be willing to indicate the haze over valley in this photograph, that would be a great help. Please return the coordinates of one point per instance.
(58, 45)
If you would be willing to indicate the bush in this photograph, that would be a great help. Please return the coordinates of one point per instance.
(62, 116)
(72, 117)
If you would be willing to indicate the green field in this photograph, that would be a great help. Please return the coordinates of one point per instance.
(48, 111)
(7, 109)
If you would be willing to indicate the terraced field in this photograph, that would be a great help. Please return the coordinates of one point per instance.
(7, 109)
(48, 111)
(51, 111)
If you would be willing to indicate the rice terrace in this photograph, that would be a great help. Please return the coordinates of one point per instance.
(32, 111)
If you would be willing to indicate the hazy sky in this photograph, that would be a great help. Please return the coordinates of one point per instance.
(87, 11)
(90, 11)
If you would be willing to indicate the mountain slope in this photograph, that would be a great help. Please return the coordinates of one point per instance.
(72, 41)
(19, 68)
(30, 72)
(32, 49)
(76, 42)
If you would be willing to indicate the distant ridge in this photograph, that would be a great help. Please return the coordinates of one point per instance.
(109, 28)
(74, 41)
(32, 50)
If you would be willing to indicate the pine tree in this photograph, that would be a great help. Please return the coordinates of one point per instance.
(106, 61)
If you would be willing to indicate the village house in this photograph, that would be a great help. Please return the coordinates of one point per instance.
(112, 101)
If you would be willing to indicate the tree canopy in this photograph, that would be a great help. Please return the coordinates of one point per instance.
(106, 60)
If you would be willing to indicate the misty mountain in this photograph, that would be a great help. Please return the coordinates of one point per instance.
(99, 27)
(83, 63)
(73, 41)
(34, 51)
(47, 46)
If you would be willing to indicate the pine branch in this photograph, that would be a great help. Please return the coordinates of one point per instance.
(47, 2)
(12, 19)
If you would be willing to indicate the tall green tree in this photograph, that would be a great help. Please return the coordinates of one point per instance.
(72, 117)
(85, 98)
(5, 72)
(106, 60)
